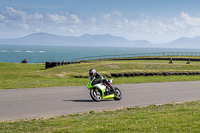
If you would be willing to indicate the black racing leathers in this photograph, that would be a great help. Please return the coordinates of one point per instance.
(99, 79)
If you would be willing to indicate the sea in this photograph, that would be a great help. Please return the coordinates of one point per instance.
(41, 54)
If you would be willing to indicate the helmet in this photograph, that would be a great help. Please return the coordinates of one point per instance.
(92, 72)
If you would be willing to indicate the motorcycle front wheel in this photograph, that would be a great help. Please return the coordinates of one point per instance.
(95, 94)
(118, 94)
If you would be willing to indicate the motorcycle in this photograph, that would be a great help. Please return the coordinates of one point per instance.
(101, 91)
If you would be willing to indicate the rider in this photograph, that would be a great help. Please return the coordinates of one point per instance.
(99, 79)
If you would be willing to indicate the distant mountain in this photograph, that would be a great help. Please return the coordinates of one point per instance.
(84, 40)
(192, 43)
(105, 40)
(39, 39)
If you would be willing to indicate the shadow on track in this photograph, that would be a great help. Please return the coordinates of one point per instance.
(85, 101)
(80, 100)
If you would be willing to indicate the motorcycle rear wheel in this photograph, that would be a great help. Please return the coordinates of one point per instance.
(118, 94)
(95, 94)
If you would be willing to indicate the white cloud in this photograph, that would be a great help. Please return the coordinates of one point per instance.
(190, 21)
(55, 18)
(14, 15)
(142, 27)
(75, 18)
(2, 17)
(36, 16)
(24, 26)
(93, 20)
(117, 13)
(106, 16)
(112, 15)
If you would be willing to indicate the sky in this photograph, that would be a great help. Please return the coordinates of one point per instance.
(157, 21)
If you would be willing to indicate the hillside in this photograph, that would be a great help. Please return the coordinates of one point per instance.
(105, 40)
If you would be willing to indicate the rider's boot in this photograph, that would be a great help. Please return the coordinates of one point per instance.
(112, 89)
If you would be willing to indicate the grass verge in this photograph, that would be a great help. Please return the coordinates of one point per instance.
(17, 75)
(182, 117)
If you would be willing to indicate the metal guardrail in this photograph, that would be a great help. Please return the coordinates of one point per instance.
(136, 55)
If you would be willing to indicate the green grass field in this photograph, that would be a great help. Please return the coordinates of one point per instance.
(17, 75)
(169, 118)
(183, 117)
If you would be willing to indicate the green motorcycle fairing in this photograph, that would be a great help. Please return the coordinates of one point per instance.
(101, 87)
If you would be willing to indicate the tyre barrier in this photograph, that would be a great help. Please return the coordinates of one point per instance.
(114, 75)
(121, 75)
(177, 59)
(108, 76)
(54, 64)
(126, 74)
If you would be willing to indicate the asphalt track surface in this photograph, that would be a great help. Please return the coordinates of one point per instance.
(47, 102)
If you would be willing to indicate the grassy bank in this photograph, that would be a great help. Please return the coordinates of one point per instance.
(182, 117)
(17, 75)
